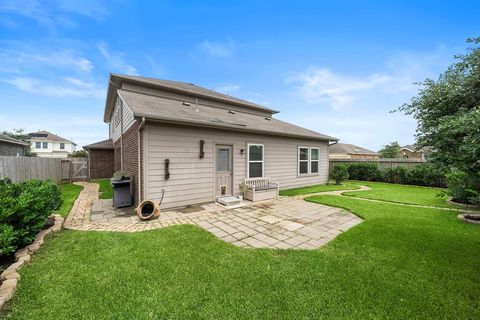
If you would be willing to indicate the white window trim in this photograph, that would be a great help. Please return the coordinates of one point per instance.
(308, 161)
(255, 161)
(317, 161)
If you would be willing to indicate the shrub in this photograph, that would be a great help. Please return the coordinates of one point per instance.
(339, 173)
(395, 175)
(24, 208)
(364, 171)
(457, 183)
(426, 175)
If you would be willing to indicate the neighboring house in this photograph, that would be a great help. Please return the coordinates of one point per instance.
(347, 151)
(193, 144)
(101, 160)
(12, 147)
(410, 151)
(49, 145)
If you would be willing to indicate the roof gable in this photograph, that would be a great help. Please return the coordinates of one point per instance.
(48, 136)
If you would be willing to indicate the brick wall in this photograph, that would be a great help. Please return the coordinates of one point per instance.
(101, 163)
(130, 157)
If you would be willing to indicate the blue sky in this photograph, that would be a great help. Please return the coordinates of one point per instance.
(337, 67)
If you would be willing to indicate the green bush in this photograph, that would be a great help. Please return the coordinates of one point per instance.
(24, 209)
(339, 173)
(395, 175)
(426, 174)
(463, 187)
(364, 171)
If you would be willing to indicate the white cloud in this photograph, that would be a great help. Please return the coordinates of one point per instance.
(228, 88)
(67, 87)
(217, 49)
(322, 86)
(116, 60)
(89, 8)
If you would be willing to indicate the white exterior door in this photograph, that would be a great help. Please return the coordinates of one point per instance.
(223, 170)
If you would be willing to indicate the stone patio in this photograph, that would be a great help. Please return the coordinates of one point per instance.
(282, 223)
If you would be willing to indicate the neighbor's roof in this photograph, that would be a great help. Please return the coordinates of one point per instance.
(179, 87)
(346, 148)
(48, 136)
(173, 111)
(409, 147)
(103, 145)
(11, 140)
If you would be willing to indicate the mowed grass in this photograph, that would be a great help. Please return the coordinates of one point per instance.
(318, 188)
(400, 263)
(70, 193)
(106, 191)
(403, 194)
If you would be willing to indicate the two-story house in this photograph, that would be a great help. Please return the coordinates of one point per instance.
(49, 145)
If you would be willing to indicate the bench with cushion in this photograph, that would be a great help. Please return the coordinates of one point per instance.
(260, 189)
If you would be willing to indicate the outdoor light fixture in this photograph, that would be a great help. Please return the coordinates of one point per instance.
(242, 151)
(202, 153)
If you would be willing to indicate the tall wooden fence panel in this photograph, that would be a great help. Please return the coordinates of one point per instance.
(26, 168)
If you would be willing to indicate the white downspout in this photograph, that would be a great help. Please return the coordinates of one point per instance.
(121, 135)
(140, 180)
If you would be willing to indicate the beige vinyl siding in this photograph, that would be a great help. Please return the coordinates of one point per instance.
(127, 118)
(192, 178)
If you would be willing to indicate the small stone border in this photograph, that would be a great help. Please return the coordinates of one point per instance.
(10, 276)
(472, 206)
(463, 217)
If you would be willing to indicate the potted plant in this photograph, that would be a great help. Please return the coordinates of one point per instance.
(243, 189)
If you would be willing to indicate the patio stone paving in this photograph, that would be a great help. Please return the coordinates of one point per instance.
(282, 223)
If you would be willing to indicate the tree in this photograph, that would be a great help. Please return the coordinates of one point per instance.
(448, 114)
(339, 173)
(391, 150)
(79, 154)
(20, 134)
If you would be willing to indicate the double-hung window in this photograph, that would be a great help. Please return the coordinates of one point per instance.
(45, 145)
(62, 145)
(314, 159)
(38, 145)
(308, 160)
(303, 160)
(255, 160)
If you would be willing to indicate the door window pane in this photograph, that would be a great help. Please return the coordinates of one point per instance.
(223, 160)
(255, 153)
(255, 169)
(303, 153)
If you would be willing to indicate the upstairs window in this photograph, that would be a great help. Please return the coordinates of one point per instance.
(255, 160)
(45, 145)
(38, 145)
(62, 145)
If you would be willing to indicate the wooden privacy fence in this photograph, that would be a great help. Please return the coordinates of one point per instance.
(382, 163)
(58, 170)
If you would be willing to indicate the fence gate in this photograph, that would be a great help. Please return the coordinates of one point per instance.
(79, 168)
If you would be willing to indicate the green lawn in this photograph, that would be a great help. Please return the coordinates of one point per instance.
(400, 263)
(106, 191)
(403, 194)
(70, 193)
(318, 188)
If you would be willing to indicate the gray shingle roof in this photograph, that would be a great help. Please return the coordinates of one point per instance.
(103, 145)
(11, 140)
(173, 111)
(47, 136)
(345, 148)
(190, 89)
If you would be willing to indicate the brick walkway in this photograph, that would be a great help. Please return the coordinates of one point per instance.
(281, 223)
